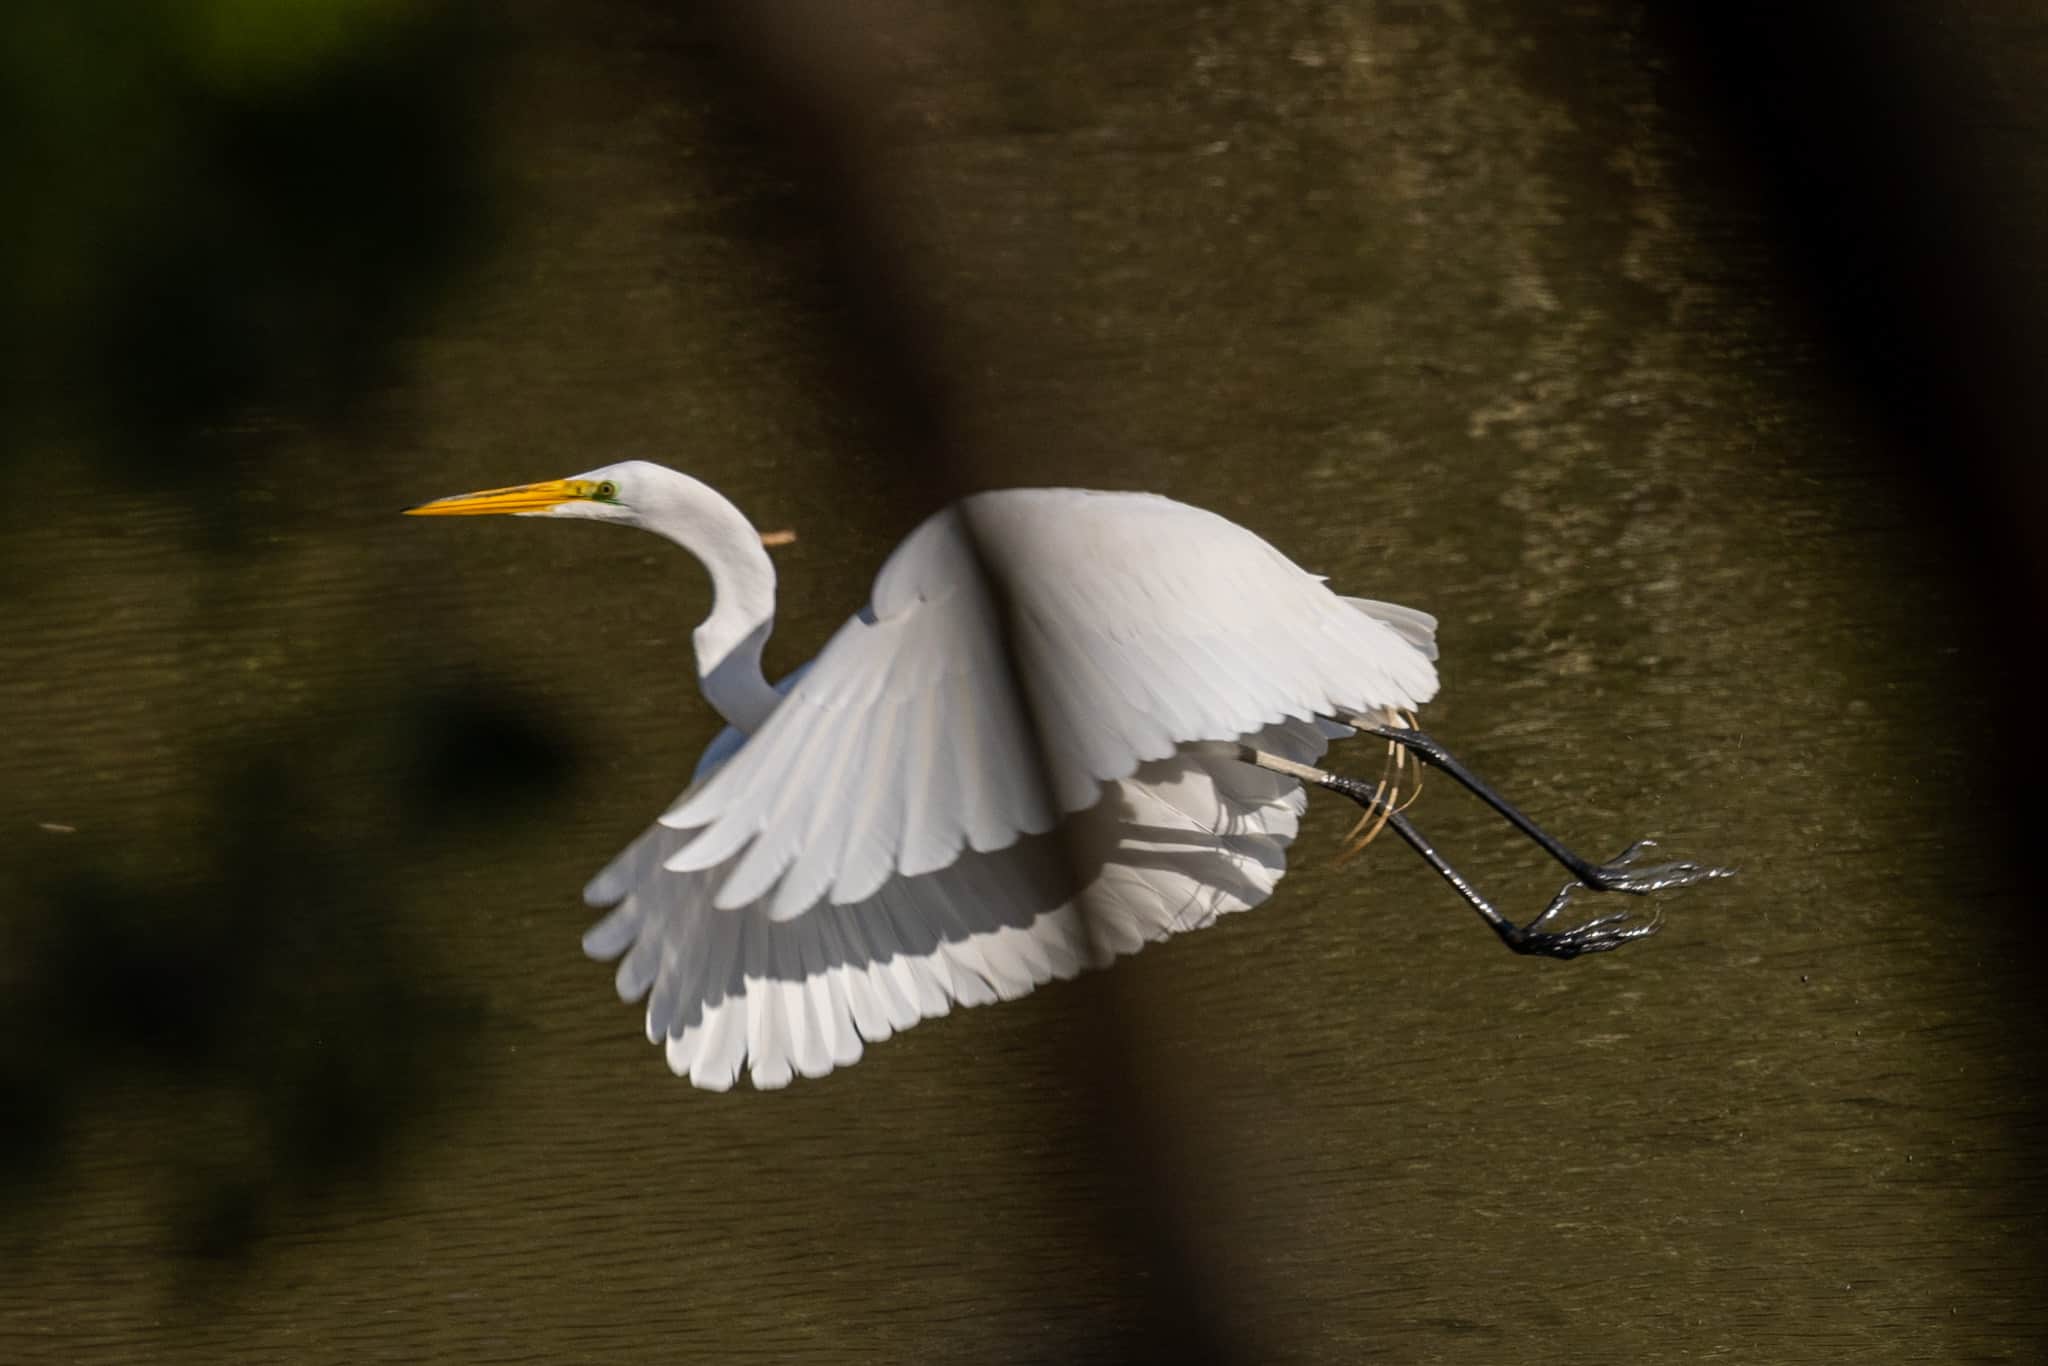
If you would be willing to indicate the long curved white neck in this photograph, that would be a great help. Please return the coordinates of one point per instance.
(704, 522)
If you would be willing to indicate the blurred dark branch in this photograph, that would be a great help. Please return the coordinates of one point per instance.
(1894, 150)
(821, 77)
(819, 80)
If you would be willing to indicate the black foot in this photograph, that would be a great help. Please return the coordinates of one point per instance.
(1608, 932)
(1604, 935)
(1621, 875)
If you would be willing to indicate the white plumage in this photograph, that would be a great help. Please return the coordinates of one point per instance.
(900, 830)
(1173, 845)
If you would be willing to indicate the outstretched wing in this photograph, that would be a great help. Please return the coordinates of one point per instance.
(903, 745)
(1177, 843)
(1140, 625)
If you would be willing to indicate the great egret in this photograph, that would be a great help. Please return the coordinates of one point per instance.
(899, 826)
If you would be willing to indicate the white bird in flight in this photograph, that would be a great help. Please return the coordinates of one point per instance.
(1067, 723)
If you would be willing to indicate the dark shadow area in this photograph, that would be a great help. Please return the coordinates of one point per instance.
(479, 755)
(1888, 149)
(1896, 154)
(250, 998)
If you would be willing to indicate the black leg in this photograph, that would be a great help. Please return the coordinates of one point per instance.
(1601, 935)
(1616, 875)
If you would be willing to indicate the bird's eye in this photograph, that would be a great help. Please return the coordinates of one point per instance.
(607, 490)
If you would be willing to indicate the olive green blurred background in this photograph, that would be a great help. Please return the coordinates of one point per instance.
(1684, 362)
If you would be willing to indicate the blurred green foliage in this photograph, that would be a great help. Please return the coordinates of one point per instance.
(221, 212)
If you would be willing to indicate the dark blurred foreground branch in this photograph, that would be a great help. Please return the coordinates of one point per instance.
(821, 76)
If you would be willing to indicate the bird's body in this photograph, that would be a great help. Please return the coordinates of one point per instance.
(904, 829)
(1066, 724)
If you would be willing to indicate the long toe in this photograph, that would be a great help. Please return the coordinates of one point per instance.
(1603, 935)
(1657, 877)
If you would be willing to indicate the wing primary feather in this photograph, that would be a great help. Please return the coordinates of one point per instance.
(927, 969)
(759, 1008)
(608, 938)
(661, 1002)
(820, 1034)
(839, 930)
(636, 969)
(891, 972)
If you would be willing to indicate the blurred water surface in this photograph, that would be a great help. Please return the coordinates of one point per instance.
(1459, 311)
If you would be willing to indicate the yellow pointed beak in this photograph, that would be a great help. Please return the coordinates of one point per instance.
(519, 498)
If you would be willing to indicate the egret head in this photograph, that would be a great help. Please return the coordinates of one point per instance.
(626, 492)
